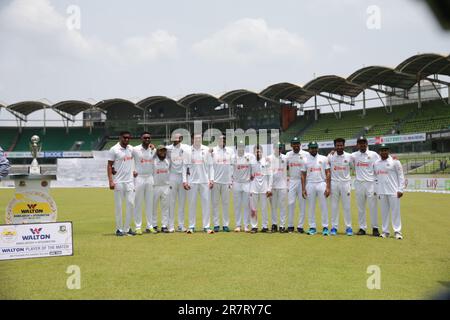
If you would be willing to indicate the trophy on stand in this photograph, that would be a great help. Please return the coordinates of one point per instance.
(32, 202)
(35, 148)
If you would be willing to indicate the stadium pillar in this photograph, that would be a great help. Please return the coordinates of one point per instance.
(419, 98)
(45, 130)
(364, 103)
(448, 97)
(340, 116)
(315, 108)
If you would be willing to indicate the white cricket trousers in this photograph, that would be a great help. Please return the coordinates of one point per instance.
(162, 194)
(177, 192)
(241, 198)
(341, 190)
(316, 190)
(262, 198)
(221, 191)
(203, 190)
(144, 194)
(278, 202)
(294, 193)
(365, 191)
(124, 191)
(390, 206)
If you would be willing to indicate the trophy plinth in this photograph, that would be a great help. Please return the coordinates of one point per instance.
(32, 202)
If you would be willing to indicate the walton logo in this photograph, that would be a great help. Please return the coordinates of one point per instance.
(32, 208)
(36, 230)
(36, 235)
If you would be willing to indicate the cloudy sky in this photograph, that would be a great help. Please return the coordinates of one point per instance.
(97, 49)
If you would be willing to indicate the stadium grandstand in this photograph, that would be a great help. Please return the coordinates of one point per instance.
(374, 101)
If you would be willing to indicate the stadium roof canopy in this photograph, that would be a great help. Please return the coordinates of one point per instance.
(22, 109)
(245, 97)
(287, 91)
(376, 75)
(72, 107)
(426, 64)
(109, 103)
(199, 100)
(158, 101)
(27, 107)
(334, 85)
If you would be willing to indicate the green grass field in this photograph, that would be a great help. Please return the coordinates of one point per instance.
(231, 265)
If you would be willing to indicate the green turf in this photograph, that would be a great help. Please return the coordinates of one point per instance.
(234, 266)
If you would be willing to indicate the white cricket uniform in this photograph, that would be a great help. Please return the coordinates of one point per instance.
(341, 184)
(390, 180)
(201, 171)
(124, 186)
(162, 192)
(295, 162)
(143, 184)
(176, 156)
(315, 168)
(223, 171)
(241, 187)
(259, 186)
(279, 188)
(365, 186)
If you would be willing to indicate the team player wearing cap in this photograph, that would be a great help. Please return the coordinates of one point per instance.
(316, 185)
(255, 180)
(390, 186)
(363, 161)
(295, 160)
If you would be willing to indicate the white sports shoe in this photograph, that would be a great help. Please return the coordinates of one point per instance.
(181, 229)
(237, 229)
(384, 235)
(398, 236)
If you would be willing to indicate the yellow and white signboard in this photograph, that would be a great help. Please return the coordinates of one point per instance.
(36, 240)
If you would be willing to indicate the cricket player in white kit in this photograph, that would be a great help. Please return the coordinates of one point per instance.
(176, 153)
(198, 174)
(241, 186)
(161, 190)
(390, 187)
(260, 190)
(340, 163)
(143, 156)
(295, 160)
(278, 164)
(363, 162)
(316, 182)
(222, 157)
(120, 177)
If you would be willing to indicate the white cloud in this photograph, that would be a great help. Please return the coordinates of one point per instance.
(159, 44)
(39, 25)
(249, 40)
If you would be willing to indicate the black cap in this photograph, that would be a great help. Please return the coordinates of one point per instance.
(361, 138)
(295, 140)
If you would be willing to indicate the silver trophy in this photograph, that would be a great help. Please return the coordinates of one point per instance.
(35, 148)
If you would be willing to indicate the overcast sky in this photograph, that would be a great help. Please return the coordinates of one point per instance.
(139, 48)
